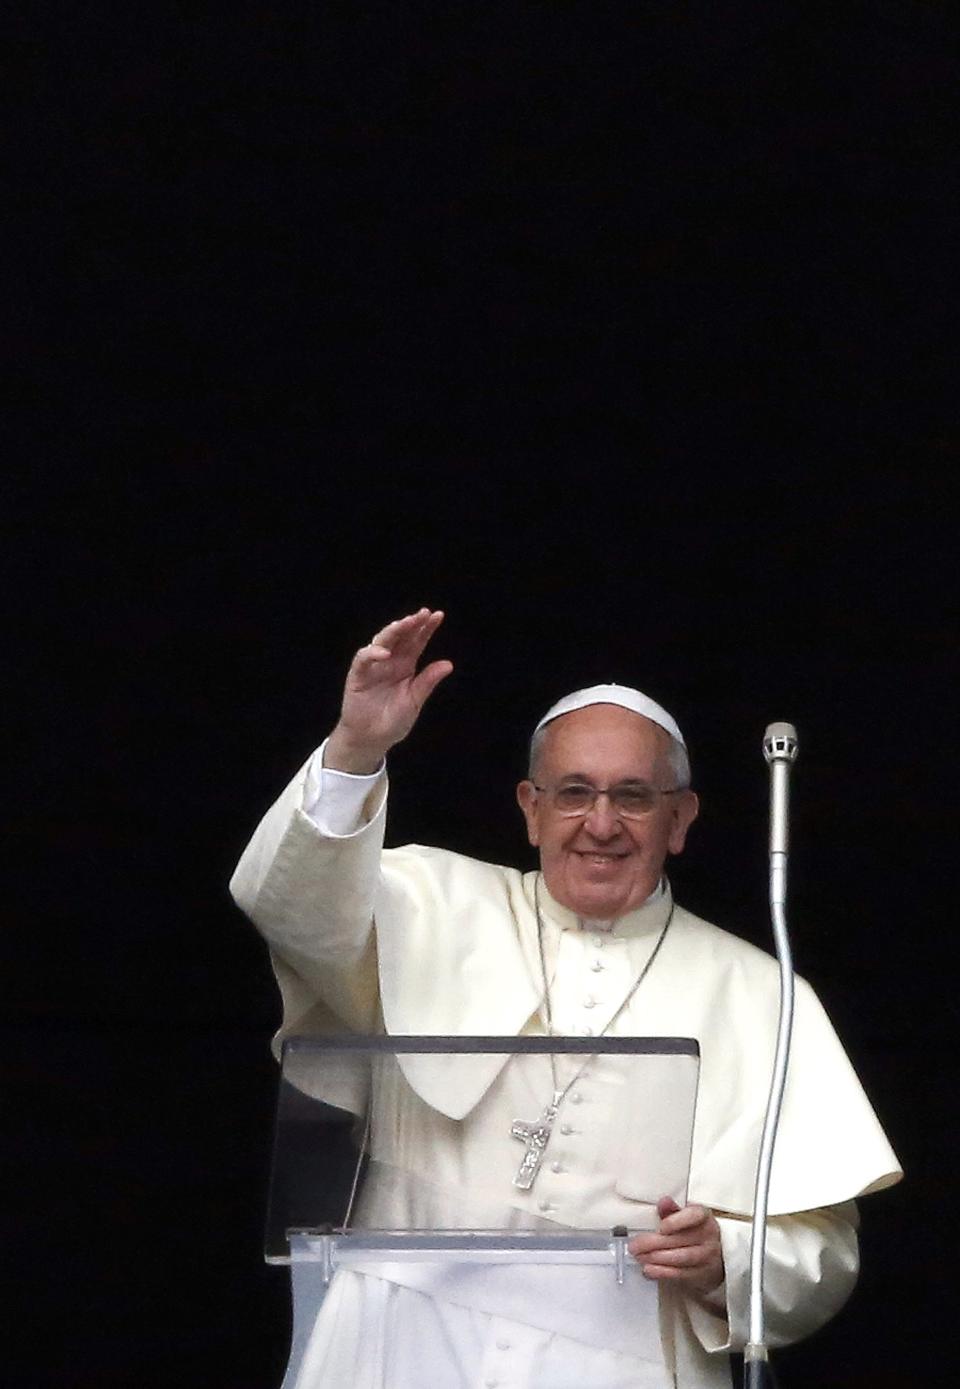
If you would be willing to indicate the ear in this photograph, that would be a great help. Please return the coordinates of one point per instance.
(527, 800)
(685, 810)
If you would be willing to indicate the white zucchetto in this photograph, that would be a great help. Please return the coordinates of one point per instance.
(623, 695)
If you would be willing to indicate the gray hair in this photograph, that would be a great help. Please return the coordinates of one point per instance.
(677, 758)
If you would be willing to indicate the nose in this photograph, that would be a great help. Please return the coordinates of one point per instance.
(602, 820)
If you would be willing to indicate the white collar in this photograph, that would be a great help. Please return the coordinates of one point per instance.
(589, 923)
(644, 920)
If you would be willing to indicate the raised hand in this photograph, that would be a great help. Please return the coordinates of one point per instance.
(384, 693)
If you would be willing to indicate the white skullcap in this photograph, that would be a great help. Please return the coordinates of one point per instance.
(623, 695)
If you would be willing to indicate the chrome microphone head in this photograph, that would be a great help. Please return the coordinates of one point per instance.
(780, 743)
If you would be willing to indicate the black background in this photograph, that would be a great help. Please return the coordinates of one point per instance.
(623, 333)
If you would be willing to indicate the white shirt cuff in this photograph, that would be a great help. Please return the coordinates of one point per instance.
(334, 801)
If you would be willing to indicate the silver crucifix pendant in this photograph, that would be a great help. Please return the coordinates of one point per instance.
(536, 1137)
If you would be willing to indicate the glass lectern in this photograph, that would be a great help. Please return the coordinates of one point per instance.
(467, 1169)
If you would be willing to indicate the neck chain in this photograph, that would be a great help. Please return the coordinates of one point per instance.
(536, 1136)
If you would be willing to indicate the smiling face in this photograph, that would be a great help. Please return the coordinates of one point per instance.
(600, 865)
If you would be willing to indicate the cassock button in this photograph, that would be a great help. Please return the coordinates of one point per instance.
(576, 1098)
(556, 1167)
(587, 1031)
(597, 966)
(589, 1001)
(544, 1206)
(566, 1129)
(491, 1383)
(502, 1344)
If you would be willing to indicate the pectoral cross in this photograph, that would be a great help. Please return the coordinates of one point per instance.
(536, 1137)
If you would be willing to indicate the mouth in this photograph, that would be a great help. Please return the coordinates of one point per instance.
(597, 858)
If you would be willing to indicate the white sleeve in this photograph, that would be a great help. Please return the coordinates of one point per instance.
(812, 1261)
(334, 801)
(310, 892)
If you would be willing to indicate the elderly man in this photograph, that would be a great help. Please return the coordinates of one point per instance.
(425, 941)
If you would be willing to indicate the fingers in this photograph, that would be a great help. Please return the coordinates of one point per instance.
(698, 1265)
(656, 1242)
(413, 631)
(686, 1248)
(688, 1257)
(704, 1279)
(428, 679)
(371, 655)
(691, 1225)
(397, 646)
(703, 1275)
(676, 1221)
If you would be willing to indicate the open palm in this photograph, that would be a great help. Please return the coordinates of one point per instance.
(384, 691)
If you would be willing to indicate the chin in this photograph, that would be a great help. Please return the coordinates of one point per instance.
(603, 900)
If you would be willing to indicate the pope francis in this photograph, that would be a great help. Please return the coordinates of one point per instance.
(422, 941)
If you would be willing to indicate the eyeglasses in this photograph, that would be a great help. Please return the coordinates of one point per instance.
(633, 800)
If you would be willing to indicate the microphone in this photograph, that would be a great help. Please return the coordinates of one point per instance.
(780, 752)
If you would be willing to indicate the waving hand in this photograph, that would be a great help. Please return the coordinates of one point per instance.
(384, 693)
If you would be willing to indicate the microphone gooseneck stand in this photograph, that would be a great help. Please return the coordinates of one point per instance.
(780, 752)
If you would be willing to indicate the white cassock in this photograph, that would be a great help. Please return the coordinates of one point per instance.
(455, 952)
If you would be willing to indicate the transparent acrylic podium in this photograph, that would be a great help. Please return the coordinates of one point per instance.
(456, 1165)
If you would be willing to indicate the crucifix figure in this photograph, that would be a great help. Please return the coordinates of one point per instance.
(536, 1137)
